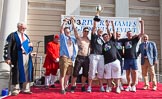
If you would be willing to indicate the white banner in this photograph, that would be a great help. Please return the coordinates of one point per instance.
(122, 24)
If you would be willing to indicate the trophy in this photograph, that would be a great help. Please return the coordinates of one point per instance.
(98, 11)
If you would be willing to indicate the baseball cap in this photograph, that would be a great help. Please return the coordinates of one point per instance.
(56, 36)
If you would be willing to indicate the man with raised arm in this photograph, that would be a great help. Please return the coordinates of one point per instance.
(111, 55)
(67, 55)
(82, 59)
(96, 58)
(130, 57)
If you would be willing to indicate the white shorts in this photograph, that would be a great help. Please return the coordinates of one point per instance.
(96, 66)
(112, 70)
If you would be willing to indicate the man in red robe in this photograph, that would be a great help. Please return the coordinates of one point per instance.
(51, 63)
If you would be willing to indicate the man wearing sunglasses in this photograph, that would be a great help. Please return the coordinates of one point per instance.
(82, 59)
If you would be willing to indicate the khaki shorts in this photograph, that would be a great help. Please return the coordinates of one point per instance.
(66, 66)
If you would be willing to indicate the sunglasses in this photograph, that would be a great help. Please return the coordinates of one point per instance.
(86, 31)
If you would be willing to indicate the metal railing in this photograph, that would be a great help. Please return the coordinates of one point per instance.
(36, 64)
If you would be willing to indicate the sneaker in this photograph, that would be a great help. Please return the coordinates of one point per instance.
(146, 87)
(66, 89)
(89, 89)
(83, 89)
(108, 89)
(133, 89)
(63, 92)
(154, 88)
(121, 87)
(118, 90)
(15, 92)
(53, 86)
(102, 89)
(128, 88)
(73, 89)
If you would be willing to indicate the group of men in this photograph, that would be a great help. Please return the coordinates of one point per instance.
(103, 54)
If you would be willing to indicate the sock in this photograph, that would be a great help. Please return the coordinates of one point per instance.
(53, 79)
(47, 79)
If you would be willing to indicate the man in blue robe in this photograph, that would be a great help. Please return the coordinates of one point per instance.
(17, 52)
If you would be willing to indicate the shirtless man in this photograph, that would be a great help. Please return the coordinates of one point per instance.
(82, 59)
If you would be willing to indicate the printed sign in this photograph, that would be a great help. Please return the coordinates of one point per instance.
(122, 24)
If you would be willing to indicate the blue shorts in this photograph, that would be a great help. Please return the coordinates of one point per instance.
(130, 64)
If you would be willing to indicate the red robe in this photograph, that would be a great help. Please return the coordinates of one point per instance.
(52, 52)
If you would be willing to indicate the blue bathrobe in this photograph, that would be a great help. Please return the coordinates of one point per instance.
(13, 52)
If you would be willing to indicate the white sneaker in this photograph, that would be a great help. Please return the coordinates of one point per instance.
(118, 90)
(89, 89)
(154, 88)
(102, 89)
(133, 89)
(121, 87)
(15, 92)
(128, 88)
(108, 89)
